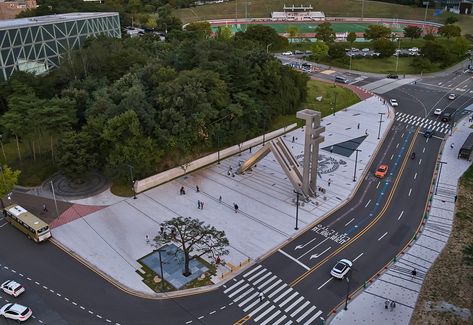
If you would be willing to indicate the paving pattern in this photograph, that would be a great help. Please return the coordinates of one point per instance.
(423, 122)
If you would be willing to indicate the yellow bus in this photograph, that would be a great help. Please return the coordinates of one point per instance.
(33, 227)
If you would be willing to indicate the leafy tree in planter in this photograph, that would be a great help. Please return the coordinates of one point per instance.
(194, 238)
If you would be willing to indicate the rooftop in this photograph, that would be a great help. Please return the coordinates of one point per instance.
(41, 20)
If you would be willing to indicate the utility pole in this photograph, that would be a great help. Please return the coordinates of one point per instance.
(380, 121)
(297, 210)
(426, 3)
(398, 53)
(54, 197)
(348, 292)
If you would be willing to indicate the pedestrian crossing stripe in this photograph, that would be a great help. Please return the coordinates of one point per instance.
(268, 300)
(423, 122)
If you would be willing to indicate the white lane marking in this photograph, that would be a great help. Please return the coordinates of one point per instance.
(295, 260)
(324, 283)
(212, 312)
(3, 224)
(98, 316)
(272, 286)
(298, 310)
(233, 286)
(367, 203)
(358, 257)
(259, 308)
(262, 278)
(66, 299)
(415, 176)
(392, 156)
(200, 317)
(400, 215)
(349, 222)
(423, 150)
(282, 304)
(189, 322)
(305, 314)
(271, 317)
(410, 191)
(248, 299)
(313, 248)
(223, 307)
(379, 183)
(74, 303)
(261, 286)
(402, 135)
(277, 290)
(294, 304)
(257, 274)
(283, 294)
(397, 146)
(420, 161)
(318, 255)
(234, 293)
(81, 307)
(243, 295)
(256, 268)
(302, 246)
(254, 303)
(109, 321)
(264, 313)
(383, 236)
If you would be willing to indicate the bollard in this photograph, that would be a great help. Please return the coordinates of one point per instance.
(395, 259)
(365, 284)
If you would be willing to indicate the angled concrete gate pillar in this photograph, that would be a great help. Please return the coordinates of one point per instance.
(311, 148)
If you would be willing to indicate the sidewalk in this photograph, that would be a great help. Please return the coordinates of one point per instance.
(398, 283)
(114, 238)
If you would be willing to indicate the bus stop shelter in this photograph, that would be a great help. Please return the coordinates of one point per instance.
(466, 150)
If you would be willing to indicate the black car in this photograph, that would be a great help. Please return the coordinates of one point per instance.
(429, 133)
(392, 76)
(446, 117)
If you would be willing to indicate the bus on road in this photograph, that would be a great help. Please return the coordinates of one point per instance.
(33, 227)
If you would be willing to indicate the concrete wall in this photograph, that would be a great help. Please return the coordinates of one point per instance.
(166, 176)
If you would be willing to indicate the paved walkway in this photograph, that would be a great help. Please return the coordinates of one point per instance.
(114, 238)
(398, 283)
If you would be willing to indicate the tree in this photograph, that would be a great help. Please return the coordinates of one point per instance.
(325, 32)
(351, 37)
(337, 51)
(293, 31)
(224, 33)
(468, 254)
(375, 32)
(429, 37)
(434, 51)
(201, 29)
(263, 35)
(421, 63)
(412, 32)
(384, 47)
(9, 178)
(194, 238)
(459, 47)
(151, 23)
(450, 20)
(449, 31)
(320, 50)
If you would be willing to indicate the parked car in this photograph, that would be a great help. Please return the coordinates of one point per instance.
(392, 76)
(287, 53)
(298, 52)
(452, 96)
(365, 49)
(429, 133)
(446, 117)
(393, 102)
(308, 52)
(12, 288)
(16, 312)
(438, 111)
(341, 269)
(381, 171)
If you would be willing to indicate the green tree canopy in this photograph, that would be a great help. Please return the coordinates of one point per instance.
(8, 179)
(263, 35)
(375, 32)
(320, 50)
(384, 47)
(201, 29)
(325, 32)
(337, 50)
(412, 32)
(450, 31)
(450, 20)
(351, 37)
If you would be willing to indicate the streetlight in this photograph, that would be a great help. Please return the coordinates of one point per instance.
(398, 53)
(438, 179)
(425, 3)
(3, 151)
(335, 103)
(264, 129)
(5, 184)
(380, 121)
(356, 161)
(348, 292)
(297, 210)
(132, 180)
(54, 197)
(267, 47)
(362, 9)
(161, 266)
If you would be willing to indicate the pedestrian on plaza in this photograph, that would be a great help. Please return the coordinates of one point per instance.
(45, 208)
(331, 149)
(293, 139)
(386, 304)
(392, 305)
(197, 188)
(261, 297)
(414, 272)
(358, 126)
(452, 145)
(235, 207)
(470, 119)
(147, 239)
(366, 132)
(455, 199)
(162, 229)
(202, 205)
(220, 199)
(329, 182)
(181, 191)
(198, 204)
(173, 233)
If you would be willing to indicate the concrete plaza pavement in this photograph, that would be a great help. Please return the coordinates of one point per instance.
(398, 283)
(113, 238)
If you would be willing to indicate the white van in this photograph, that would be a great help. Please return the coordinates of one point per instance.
(341, 79)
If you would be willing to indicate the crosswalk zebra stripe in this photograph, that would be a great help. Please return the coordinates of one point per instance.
(238, 290)
(271, 286)
(262, 278)
(256, 275)
(280, 320)
(254, 303)
(247, 299)
(294, 304)
(270, 318)
(283, 294)
(313, 317)
(265, 313)
(282, 304)
(289, 322)
(267, 282)
(233, 286)
(254, 270)
(243, 295)
(259, 308)
(277, 290)
(298, 310)
(311, 309)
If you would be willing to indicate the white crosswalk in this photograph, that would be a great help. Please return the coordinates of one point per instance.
(281, 304)
(423, 122)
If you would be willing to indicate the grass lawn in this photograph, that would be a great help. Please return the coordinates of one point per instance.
(327, 91)
(383, 65)
(450, 279)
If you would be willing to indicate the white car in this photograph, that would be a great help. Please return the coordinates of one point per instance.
(452, 96)
(438, 111)
(17, 312)
(393, 102)
(12, 288)
(287, 53)
(365, 50)
(341, 269)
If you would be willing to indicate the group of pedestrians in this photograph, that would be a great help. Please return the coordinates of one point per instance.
(200, 204)
(391, 304)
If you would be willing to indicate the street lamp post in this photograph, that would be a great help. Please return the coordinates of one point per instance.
(335, 104)
(426, 3)
(398, 53)
(348, 292)
(4, 184)
(264, 130)
(297, 210)
(54, 197)
(356, 161)
(132, 180)
(218, 149)
(438, 179)
(362, 9)
(380, 121)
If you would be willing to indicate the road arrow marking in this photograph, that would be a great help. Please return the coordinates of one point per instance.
(317, 255)
(302, 246)
(314, 247)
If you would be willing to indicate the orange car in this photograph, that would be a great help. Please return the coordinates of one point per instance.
(381, 171)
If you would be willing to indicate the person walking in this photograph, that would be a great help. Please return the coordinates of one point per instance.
(197, 188)
(147, 239)
(358, 126)
(452, 145)
(220, 199)
(366, 132)
(329, 182)
(455, 199)
(261, 297)
(202, 205)
(414, 272)
(392, 305)
(235, 206)
(45, 208)
(386, 304)
(198, 204)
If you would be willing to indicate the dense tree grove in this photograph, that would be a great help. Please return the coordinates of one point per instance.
(149, 104)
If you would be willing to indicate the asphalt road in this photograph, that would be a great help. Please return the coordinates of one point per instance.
(373, 227)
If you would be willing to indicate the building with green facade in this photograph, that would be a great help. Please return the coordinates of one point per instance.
(37, 44)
